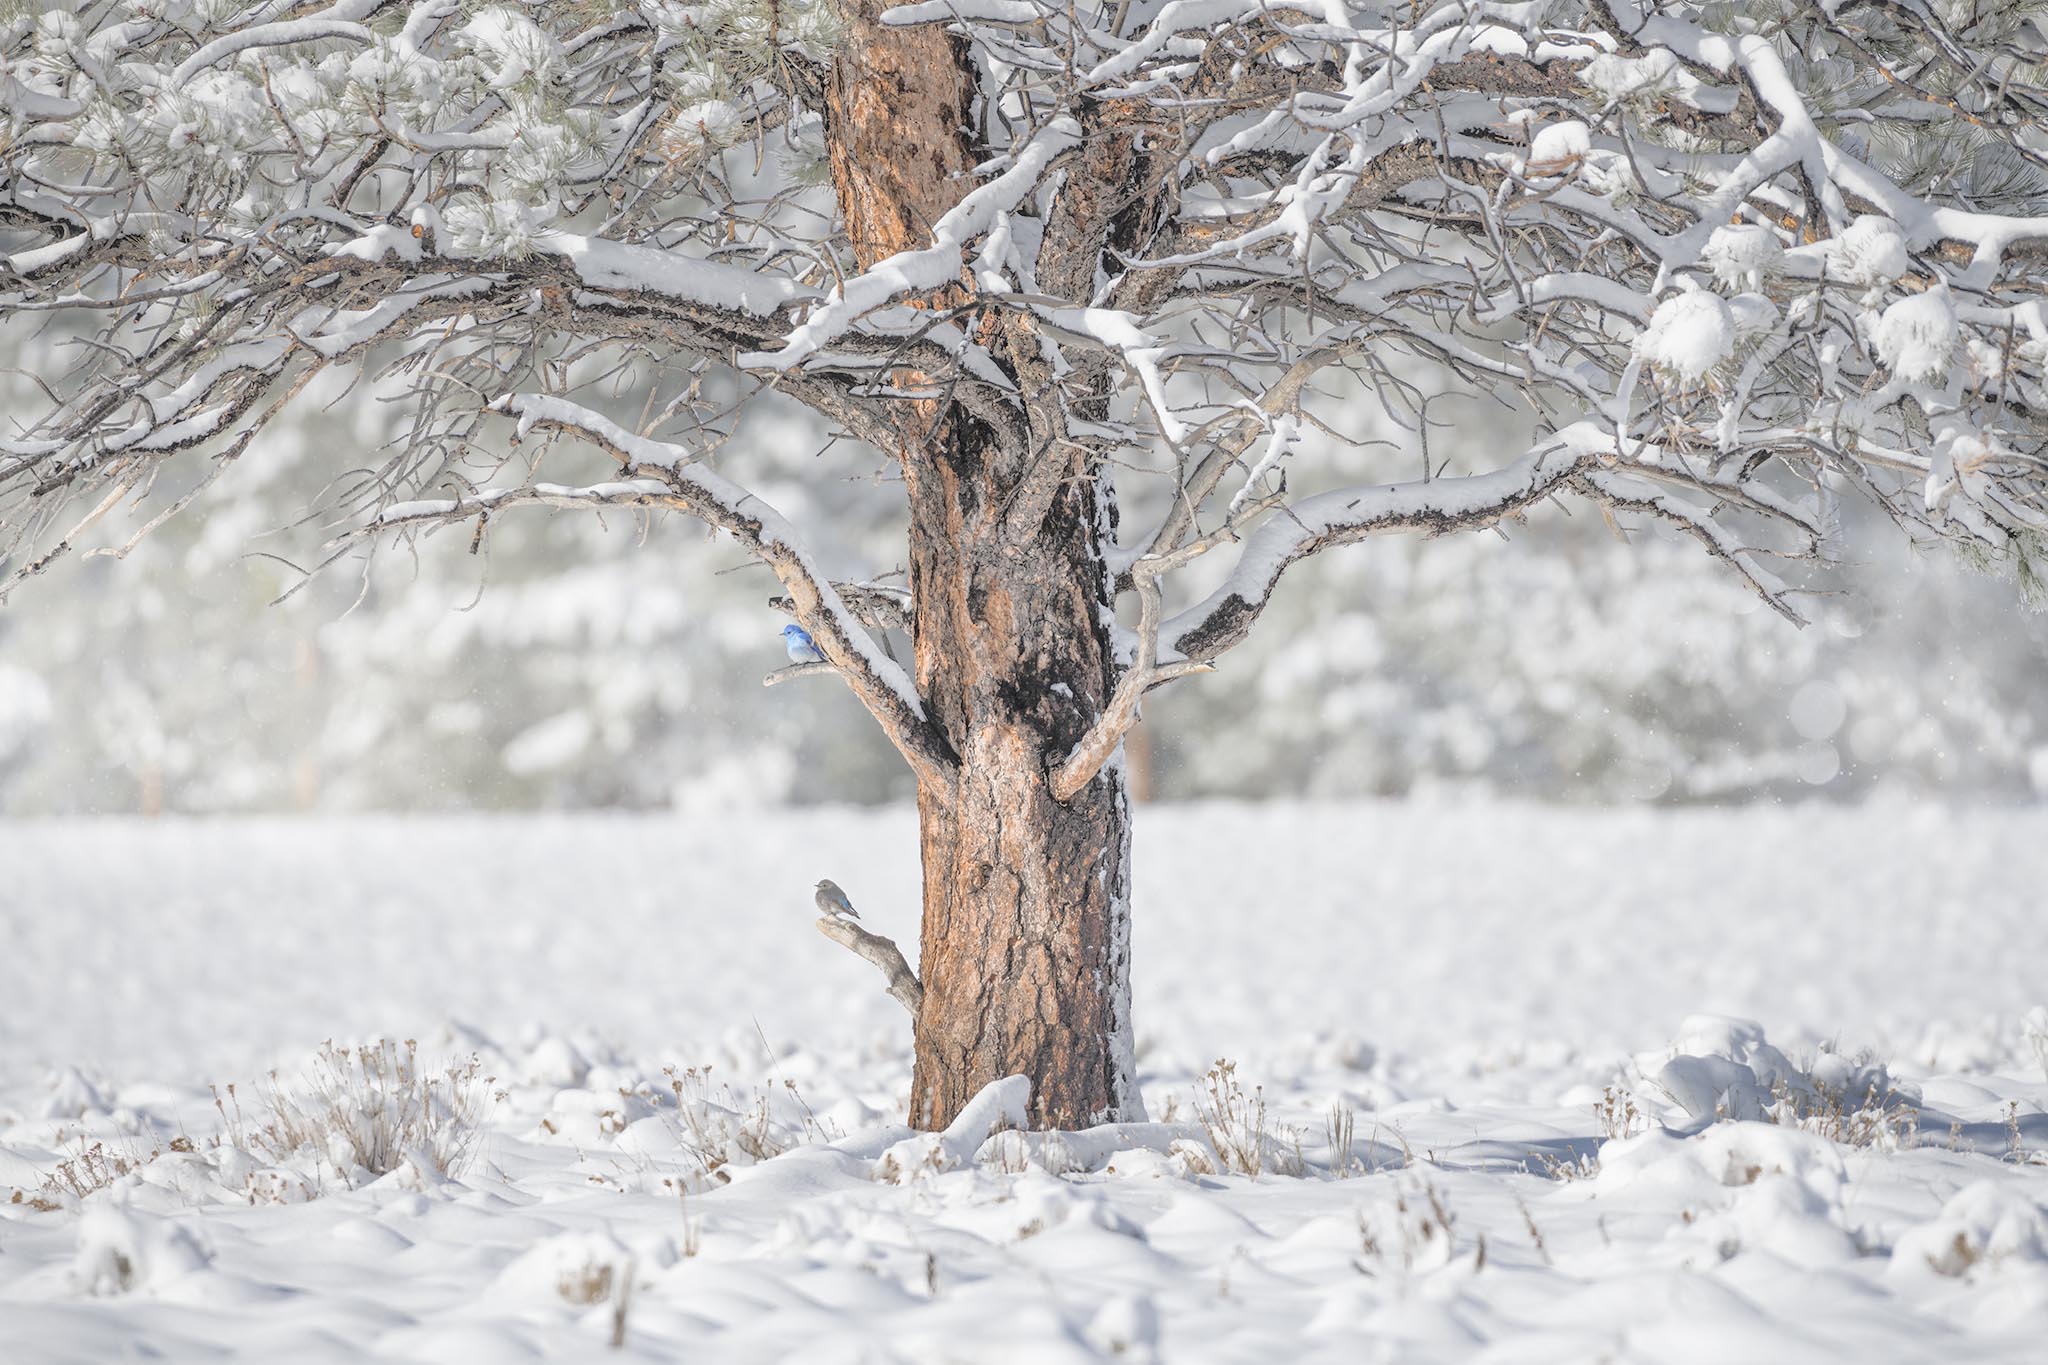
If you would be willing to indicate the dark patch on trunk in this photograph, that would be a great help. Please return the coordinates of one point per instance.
(1023, 894)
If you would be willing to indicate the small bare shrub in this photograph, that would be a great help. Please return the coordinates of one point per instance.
(1617, 1115)
(586, 1284)
(89, 1170)
(1234, 1122)
(1237, 1128)
(1341, 1128)
(718, 1131)
(1584, 1166)
(1419, 1234)
(1875, 1120)
(2016, 1150)
(371, 1108)
(1191, 1158)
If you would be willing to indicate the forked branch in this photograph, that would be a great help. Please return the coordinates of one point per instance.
(1146, 672)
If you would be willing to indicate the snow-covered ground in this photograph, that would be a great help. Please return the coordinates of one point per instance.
(1489, 996)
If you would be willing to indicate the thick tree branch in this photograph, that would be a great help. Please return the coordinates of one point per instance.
(1434, 507)
(883, 953)
(875, 678)
(877, 607)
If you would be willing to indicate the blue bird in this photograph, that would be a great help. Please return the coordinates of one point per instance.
(801, 647)
(833, 902)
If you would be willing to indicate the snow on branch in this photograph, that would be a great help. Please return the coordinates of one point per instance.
(691, 486)
(1739, 265)
(909, 273)
(335, 22)
(1433, 507)
(484, 504)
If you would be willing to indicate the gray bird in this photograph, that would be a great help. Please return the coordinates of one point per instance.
(832, 901)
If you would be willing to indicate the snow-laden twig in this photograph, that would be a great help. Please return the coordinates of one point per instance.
(909, 273)
(1432, 506)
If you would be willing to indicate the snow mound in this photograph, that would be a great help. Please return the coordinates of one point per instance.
(577, 1269)
(1717, 1067)
(72, 1096)
(999, 1105)
(1127, 1327)
(555, 1061)
(1985, 1227)
(121, 1250)
(1721, 1068)
(1743, 1187)
(1110, 1146)
(1736, 1153)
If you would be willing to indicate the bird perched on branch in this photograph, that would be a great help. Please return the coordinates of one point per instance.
(833, 902)
(801, 647)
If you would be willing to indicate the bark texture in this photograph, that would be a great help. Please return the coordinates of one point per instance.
(1025, 948)
(1024, 952)
(899, 116)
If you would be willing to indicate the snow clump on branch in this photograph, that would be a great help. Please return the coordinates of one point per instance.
(1745, 255)
(1871, 250)
(1690, 334)
(1916, 336)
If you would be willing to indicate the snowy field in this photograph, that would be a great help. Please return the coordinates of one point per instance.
(1509, 1009)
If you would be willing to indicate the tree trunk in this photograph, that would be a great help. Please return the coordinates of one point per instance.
(1025, 948)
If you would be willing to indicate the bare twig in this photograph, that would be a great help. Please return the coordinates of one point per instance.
(783, 675)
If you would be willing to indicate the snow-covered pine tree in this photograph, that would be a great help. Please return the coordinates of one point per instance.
(1734, 259)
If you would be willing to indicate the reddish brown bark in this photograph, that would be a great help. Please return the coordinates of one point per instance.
(899, 116)
(1024, 951)
(1025, 944)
